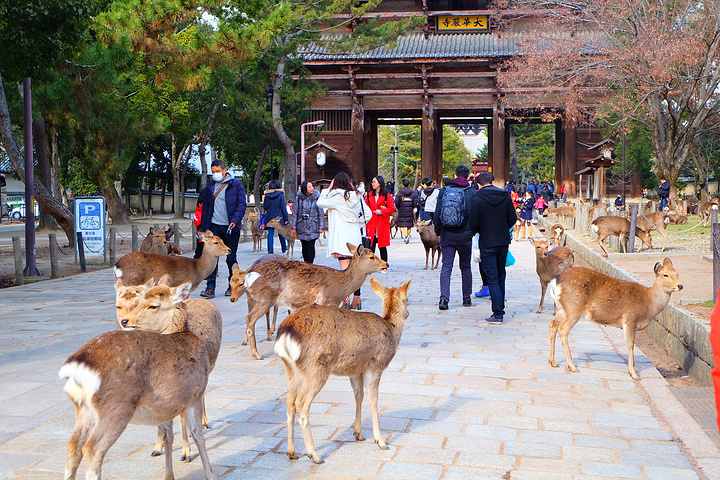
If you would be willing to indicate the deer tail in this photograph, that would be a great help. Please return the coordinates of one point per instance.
(286, 346)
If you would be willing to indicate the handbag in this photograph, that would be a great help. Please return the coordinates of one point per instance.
(262, 221)
(510, 260)
(365, 240)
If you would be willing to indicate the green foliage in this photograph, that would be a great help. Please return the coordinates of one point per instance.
(455, 152)
(535, 151)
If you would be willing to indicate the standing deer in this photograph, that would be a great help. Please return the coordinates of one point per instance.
(648, 222)
(286, 232)
(138, 377)
(158, 241)
(557, 231)
(705, 211)
(136, 268)
(318, 341)
(549, 264)
(393, 223)
(605, 226)
(257, 234)
(563, 213)
(608, 301)
(431, 242)
(297, 284)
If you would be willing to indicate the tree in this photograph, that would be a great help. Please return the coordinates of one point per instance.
(455, 152)
(704, 161)
(535, 151)
(652, 62)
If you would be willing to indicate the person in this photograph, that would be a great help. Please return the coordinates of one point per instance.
(563, 192)
(619, 203)
(382, 205)
(346, 211)
(405, 203)
(275, 206)
(420, 210)
(715, 344)
(308, 220)
(494, 219)
(540, 205)
(663, 193)
(222, 213)
(430, 193)
(390, 187)
(526, 214)
(196, 218)
(452, 224)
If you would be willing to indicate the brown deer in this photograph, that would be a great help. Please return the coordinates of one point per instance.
(136, 268)
(557, 232)
(257, 234)
(158, 241)
(648, 222)
(138, 377)
(674, 217)
(563, 213)
(318, 341)
(705, 211)
(597, 210)
(431, 242)
(608, 301)
(605, 226)
(393, 223)
(518, 224)
(286, 232)
(548, 264)
(296, 284)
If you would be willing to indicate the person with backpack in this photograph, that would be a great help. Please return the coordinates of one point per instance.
(428, 197)
(405, 203)
(452, 224)
(494, 217)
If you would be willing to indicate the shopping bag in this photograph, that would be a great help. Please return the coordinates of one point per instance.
(510, 260)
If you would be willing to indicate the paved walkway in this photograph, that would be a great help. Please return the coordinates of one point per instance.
(461, 399)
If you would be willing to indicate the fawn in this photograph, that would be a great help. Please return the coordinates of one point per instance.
(548, 264)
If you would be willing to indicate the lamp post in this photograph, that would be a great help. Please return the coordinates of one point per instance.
(269, 96)
(302, 146)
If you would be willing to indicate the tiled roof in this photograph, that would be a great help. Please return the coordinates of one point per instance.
(414, 45)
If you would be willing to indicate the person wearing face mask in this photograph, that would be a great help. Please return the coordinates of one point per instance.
(222, 213)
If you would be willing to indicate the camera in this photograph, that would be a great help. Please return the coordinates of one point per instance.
(305, 216)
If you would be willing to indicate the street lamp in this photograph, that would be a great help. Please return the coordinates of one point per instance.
(269, 97)
(302, 146)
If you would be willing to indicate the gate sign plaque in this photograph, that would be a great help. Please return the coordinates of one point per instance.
(462, 23)
(90, 220)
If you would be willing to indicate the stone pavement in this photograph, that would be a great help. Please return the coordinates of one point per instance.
(461, 400)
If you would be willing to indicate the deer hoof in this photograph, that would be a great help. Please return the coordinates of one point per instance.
(553, 363)
(381, 445)
(155, 453)
(634, 376)
(359, 436)
(293, 456)
(258, 357)
(572, 369)
(316, 458)
(185, 458)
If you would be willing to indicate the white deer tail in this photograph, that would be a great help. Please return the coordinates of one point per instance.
(287, 348)
(82, 382)
(594, 228)
(555, 289)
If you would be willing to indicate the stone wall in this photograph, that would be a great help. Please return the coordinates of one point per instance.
(684, 338)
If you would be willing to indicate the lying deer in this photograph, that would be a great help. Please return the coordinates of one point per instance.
(431, 242)
(318, 341)
(605, 226)
(138, 377)
(297, 284)
(648, 222)
(286, 232)
(137, 268)
(203, 320)
(548, 264)
(254, 220)
(608, 301)
(674, 217)
(158, 241)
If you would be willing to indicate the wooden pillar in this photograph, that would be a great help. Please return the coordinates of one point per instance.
(370, 157)
(358, 134)
(568, 165)
(428, 136)
(499, 152)
(438, 165)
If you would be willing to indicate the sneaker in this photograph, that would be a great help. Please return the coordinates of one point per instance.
(484, 292)
(493, 320)
(443, 305)
(208, 293)
(407, 239)
(467, 303)
(228, 292)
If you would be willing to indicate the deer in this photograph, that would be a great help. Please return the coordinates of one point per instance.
(518, 224)
(557, 231)
(548, 264)
(431, 242)
(705, 212)
(605, 226)
(286, 232)
(296, 284)
(139, 377)
(606, 300)
(648, 222)
(317, 341)
(563, 213)
(136, 268)
(203, 318)
(674, 217)
(257, 234)
(158, 241)
(393, 223)
(597, 210)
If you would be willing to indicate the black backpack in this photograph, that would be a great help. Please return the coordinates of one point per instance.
(453, 212)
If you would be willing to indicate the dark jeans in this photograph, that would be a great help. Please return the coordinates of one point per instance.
(464, 251)
(271, 241)
(429, 216)
(231, 241)
(308, 250)
(493, 264)
(661, 205)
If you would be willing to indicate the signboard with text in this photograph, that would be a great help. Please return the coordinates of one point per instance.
(90, 220)
(462, 23)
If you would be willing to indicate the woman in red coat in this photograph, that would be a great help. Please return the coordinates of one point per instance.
(382, 205)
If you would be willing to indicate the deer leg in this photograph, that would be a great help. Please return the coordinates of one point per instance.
(600, 240)
(553, 336)
(664, 234)
(251, 305)
(623, 243)
(373, 394)
(291, 410)
(629, 329)
(303, 402)
(193, 415)
(543, 289)
(103, 436)
(205, 422)
(166, 431)
(357, 386)
(564, 330)
(185, 456)
(427, 255)
(439, 255)
(158, 450)
(267, 320)
(250, 332)
(83, 424)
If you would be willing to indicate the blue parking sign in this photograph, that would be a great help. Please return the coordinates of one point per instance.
(90, 220)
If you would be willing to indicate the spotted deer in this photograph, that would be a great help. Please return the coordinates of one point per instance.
(318, 341)
(581, 292)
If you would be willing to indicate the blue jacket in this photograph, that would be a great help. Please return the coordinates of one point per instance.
(275, 206)
(234, 200)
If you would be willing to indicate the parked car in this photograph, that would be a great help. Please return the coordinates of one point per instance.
(18, 211)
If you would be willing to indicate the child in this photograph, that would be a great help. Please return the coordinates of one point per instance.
(526, 214)
(540, 205)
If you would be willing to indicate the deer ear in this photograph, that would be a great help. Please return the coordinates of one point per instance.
(152, 230)
(658, 267)
(118, 284)
(667, 262)
(404, 288)
(149, 284)
(353, 248)
(182, 292)
(551, 241)
(377, 287)
(235, 268)
(165, 280)
(532, 242)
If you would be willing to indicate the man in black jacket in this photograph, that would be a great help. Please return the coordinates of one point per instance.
(457, 237)
(494, 216)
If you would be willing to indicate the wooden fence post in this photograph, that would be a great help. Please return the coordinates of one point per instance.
(17, 253)
(633, 225)
(135, 242)
(54, 264)
(111, 244)
(81, 252)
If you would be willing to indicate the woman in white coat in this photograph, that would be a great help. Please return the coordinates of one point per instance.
(345, 208)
